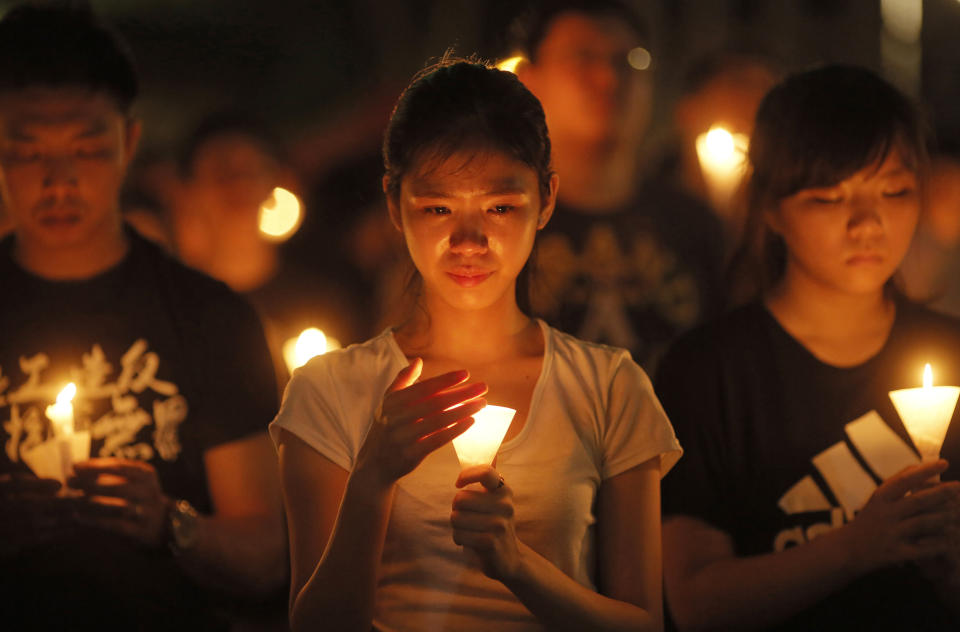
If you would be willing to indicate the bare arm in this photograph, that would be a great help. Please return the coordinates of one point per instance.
(708, 587)
(628, 548)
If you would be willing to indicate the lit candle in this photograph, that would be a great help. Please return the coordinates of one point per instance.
(926, 413)
(60, 415)
(280, 215)
(479, 444)
(311, 342)
(722, 158)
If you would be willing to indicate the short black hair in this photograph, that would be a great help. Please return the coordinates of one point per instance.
(530, 28)
(64, 46)
(228, 123)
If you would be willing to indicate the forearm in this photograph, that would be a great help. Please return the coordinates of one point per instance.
(560, 603)
(340, 593)
(754, 592)
(245, 555)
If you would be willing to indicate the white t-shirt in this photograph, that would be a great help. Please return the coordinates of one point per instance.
(593, 415)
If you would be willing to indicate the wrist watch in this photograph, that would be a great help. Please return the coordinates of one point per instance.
(182, 522)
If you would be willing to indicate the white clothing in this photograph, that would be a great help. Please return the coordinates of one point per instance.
(593, 415)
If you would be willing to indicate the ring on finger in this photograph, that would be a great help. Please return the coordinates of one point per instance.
(500, 482)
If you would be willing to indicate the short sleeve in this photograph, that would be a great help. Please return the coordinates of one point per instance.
(689, 386)
(311, 411)
(637, 429)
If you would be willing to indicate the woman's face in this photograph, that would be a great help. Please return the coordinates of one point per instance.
(469, 224)
(851, 237)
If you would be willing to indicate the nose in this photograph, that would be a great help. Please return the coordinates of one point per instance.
(865, 222)
(468, 236)
(59, 171)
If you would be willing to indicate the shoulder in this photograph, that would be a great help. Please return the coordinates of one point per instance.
(354, 366)
(739, 330)
(593, 357)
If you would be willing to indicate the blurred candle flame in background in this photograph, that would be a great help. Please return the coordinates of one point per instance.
(280, 215)
(311, 342)
(723, 159)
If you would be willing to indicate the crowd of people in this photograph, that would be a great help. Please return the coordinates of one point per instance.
(702, 436)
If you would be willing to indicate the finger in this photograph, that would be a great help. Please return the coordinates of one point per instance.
(473, 521)
(407, 375)
(121, 525)
(439, 402)
(429, 425)
(482, 502)
(910, 479)
(431, 442)
(479, 541)
(483, 474)
(135, 470)
(929, 524)
(20, 483)
(925, 500)
(926, 548)
(426, 388)
(124, 491)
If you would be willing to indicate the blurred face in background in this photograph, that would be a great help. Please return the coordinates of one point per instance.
(581, 75)
(64, 153)
(232, 176)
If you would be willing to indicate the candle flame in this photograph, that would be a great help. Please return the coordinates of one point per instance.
(66, 395)
(311, 342)
(927, 376)
(510, 63)
(280, 215)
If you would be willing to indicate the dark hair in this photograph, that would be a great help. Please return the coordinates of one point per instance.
(815, 129)
(64, 46)
(530, 28)
(463, 104)
(228, 123)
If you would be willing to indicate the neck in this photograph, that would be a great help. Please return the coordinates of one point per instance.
(242, 259)
(469, 337)
(840, 328)
(76, 261)
(595, 176)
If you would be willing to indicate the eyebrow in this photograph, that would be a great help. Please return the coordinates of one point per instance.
(508, 186)
(20, 131)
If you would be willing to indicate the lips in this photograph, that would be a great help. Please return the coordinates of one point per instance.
(469, 277)
(865, 258)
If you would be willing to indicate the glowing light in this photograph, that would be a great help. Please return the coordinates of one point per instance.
(510, 63)
(903, 19)
(723, 158)
(280, 215)
(310, 343)
(479, 444)
(61, 413)
(926, 413)
(639, 58)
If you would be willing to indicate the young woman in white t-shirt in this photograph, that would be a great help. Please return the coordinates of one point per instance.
(384, 531)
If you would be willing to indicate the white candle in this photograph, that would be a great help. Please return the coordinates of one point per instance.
(926, 413)
(60, 415)
(479, 444)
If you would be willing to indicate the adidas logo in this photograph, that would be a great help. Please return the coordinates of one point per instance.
(884, 453)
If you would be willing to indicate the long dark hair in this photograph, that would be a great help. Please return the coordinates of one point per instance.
(815, 129)
(464, 104)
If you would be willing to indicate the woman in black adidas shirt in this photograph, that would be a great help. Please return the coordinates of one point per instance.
(800, 503)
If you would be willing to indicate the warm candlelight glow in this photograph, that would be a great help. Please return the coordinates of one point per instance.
(926, 413)
(60, 414)
(722, 158)
(311, 342)
(510, 63)
(639, 58)
(280, 215)
(479, 444)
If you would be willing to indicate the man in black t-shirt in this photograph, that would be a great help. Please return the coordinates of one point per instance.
(178, 501)
(781, 448)
(620, 263)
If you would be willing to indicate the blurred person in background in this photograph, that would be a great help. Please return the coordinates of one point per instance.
(618, 264)
(931, 270)
(231, 166)
(177, 512)
(720, 89)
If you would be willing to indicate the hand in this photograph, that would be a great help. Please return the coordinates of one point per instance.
(31, 511)
(123, 496)
(907, 519)
(414, 421)
(482, 520)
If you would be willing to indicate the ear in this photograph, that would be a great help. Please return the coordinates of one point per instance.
(549, 202)
(134, 129)
(772, 220)
(393, 207)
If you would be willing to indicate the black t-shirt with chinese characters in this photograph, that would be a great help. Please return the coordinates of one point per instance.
(168, 363)
(780, 447)
(636, 277)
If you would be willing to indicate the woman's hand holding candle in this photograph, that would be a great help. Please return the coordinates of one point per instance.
(123, 496)
(483, 521)
(416, 419)
(908, 519)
